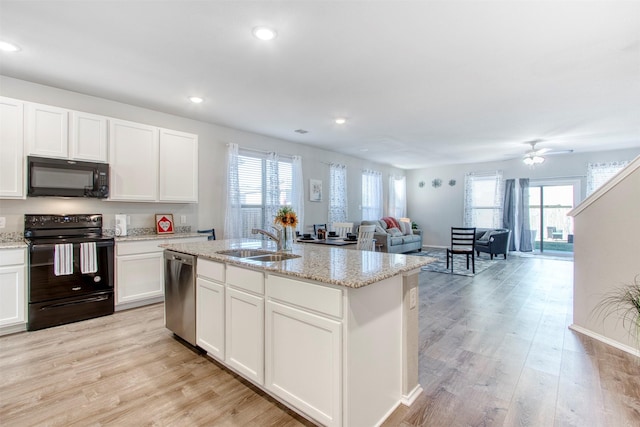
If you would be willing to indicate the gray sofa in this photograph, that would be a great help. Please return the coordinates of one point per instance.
(395, 244)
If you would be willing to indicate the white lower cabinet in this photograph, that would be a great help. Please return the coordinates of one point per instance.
(303, 347)
(140, 271)
(139, 277)
(303, 361)
(244, 343)
(13, 287)
(244, 322)
(210, 303)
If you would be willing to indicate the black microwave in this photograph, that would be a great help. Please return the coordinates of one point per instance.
(67, 178)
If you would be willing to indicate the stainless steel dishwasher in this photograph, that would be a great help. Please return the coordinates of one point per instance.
(180, 295)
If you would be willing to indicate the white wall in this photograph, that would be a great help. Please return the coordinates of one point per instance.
(209, 212)
(436, 210)
(606, 256)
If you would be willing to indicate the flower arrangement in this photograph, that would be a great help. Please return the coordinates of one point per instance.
(286, 217)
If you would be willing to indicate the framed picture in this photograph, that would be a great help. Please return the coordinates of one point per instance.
(164, 223)
(315, 190)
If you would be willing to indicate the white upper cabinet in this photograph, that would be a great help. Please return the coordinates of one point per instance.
(46, 131)
(11, 148)
(87, 137)
(59, 133)
(133, 159)
(178, 166)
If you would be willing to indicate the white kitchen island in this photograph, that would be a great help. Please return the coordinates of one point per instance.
(333, 333)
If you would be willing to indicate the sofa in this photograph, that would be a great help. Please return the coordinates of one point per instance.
(493, 241)
(394, 236)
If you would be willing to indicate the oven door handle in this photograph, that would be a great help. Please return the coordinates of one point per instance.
(82, 301)
(51, 246)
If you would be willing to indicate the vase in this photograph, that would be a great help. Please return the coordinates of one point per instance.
(287, 238)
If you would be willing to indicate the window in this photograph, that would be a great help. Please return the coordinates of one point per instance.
(371, 195)
(599, 173)
(483, 200)
(337, 193)
(265, 184)
(397, 196)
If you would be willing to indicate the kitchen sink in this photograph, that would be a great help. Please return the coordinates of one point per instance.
(244, 253)
(272, 257)
(258, 255)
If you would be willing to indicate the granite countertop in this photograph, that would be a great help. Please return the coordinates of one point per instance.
(137, 237)
(13, 245)
(334, 265)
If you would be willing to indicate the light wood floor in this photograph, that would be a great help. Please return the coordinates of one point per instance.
(495, 351)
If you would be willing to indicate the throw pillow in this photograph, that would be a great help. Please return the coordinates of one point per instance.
(405, 227)
(391, 222)
(486, 236)
(379, 229)
(394, 232)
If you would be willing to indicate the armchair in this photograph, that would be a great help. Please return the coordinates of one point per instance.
(492, 241)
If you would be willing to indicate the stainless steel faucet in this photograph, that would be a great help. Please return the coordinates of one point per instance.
(276, 238)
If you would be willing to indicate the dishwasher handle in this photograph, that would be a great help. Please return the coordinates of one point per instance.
(178, 257)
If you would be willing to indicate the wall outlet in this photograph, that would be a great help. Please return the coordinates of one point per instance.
(413, 298)
(183, 219)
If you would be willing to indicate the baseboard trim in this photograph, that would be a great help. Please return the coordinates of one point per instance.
(605, 340)
(139, 303)
(407, 400)
(13, 329)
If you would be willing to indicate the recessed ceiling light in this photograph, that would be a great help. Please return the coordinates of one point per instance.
(264, 33)
(341, 120)
(8, 47)
(195, 99)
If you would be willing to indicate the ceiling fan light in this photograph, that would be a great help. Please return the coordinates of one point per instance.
(533, 160)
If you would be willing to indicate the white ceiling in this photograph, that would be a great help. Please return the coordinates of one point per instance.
(422, 83)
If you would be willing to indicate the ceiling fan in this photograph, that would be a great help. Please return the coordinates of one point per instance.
(534, 157)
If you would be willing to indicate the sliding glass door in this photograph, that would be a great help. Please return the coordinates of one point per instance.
(552, 229)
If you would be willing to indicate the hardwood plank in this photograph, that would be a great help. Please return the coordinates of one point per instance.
(495, 350)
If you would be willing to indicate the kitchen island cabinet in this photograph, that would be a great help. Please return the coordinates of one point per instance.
(333, 331)
(210, 307)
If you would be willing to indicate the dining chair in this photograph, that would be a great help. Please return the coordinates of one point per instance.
(211, 233)
(342, 228)
(463, 242)
(365, 238)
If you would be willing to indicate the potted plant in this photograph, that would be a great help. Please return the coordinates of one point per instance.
(623, 302)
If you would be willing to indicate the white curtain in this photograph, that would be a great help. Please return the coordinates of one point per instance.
(483, 198)
(371, 195)
(599, 173)
(397, 196)
(272, 189)
(297, 191)
(337, 193)
(233, 210)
